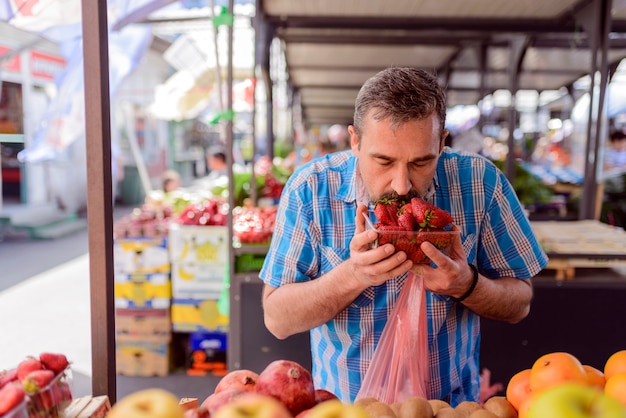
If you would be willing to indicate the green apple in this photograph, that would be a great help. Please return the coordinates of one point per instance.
(334, 408)
(575, 400)
(147, 403)
(253, 405)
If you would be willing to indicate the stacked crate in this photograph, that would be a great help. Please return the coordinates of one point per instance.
(200, 278)
(143, 293)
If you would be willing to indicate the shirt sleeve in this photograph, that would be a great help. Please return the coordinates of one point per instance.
(291, 257)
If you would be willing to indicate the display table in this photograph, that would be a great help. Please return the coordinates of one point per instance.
(585, 243)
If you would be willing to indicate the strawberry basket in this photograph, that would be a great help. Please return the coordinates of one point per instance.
(51, 400)
(410, 242)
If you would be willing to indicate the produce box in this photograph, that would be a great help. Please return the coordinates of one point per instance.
(192, 315)
(142, 356)
(141, 255)
(206, 245)
(207, 353)
(88, 407)
(143, 322)
(142, 290)
(586, 243)
(195, 280)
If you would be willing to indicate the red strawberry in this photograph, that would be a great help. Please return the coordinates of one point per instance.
(384, 237)
(7, 376)
(37, 380)
(406, 219)
(429, 216)
(26, 366)
(386, 211)
(53, 361)
(442, 241)
(11, 395)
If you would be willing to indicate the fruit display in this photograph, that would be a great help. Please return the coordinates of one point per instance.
(37, 387)
(208, 212)
(145, 221)
(559, 385)
(254, 225)
(407, 225)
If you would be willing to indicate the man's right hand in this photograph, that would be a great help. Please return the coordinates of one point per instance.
(373, 266)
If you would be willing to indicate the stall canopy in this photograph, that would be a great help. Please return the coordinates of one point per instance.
(475, 46)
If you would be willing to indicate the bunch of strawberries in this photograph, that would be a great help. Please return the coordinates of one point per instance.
(407, 224)
(40, 382)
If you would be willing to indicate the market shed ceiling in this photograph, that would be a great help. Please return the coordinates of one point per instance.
(333, 46)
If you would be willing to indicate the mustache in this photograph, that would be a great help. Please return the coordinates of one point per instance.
(395, 196)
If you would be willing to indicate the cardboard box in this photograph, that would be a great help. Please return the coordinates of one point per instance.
(206, 245)
(142, 356)
(141, 255)
(192, 315)
(143, 323)
(207, 353)
(142, 290)
(194, 280)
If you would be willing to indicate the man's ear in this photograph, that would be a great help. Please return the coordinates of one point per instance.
(442, 142)
(354, 139)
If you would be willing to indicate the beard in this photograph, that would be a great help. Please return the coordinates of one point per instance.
(395, 196)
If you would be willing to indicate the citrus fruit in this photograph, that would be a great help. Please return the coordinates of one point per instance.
(552, 369)
(615, 387)
(615, 364)
(518, 388)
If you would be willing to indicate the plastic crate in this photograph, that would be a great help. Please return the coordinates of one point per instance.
(246, 263)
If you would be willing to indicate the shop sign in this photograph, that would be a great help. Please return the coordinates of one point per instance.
(43, 66)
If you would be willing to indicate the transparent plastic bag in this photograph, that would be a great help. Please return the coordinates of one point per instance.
(399, 367)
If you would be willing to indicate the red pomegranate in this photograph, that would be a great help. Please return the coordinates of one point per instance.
(288, 382)
(216, 400)
(322, 395)
(242, 379)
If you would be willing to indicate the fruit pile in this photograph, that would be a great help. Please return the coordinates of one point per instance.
(37, 387)
(254, 225)
(407, 225)
(209, 212)
(558, 385)
(144, 221)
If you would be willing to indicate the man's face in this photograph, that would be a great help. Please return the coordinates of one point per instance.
(401, 162)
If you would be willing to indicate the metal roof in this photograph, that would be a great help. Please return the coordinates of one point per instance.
(332, 46)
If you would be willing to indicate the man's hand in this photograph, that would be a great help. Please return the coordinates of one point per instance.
(373, 266)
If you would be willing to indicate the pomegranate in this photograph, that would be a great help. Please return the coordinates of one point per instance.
(218, 399)
(242, 379)
(288, 382)
(322, 395)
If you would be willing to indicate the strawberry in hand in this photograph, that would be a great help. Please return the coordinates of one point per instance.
(429, 216)
(53, 361)
(386, 211)
(11, 395)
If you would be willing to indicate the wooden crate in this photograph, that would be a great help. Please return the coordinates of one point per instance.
(585, 243)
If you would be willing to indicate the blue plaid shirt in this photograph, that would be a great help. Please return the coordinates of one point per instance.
(315, 224)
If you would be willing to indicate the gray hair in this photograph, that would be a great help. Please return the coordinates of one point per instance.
(401, 94)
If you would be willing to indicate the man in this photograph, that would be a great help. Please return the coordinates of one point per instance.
(321, 275)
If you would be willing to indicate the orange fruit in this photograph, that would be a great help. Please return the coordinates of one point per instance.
(616, 387)
(555, 368)
(594, 376)
(615, 364)
(523, 409)
(518, 388)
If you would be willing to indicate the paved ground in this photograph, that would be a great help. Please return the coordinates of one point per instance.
(44, 306)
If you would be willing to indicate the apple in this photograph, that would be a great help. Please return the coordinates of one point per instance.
(334, 408)
(574, 400)
(253, 405)
(147, 403)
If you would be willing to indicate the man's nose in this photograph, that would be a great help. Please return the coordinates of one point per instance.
(400, 182)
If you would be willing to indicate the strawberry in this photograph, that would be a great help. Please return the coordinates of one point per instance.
(26, 366)
(7, 376)
(429, 216)
(11, 395)
(386, 211)
(37, 380)
(53, 361)
(406, 219)
(384, 238)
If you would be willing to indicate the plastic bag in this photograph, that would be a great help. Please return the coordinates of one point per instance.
(399, 367)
